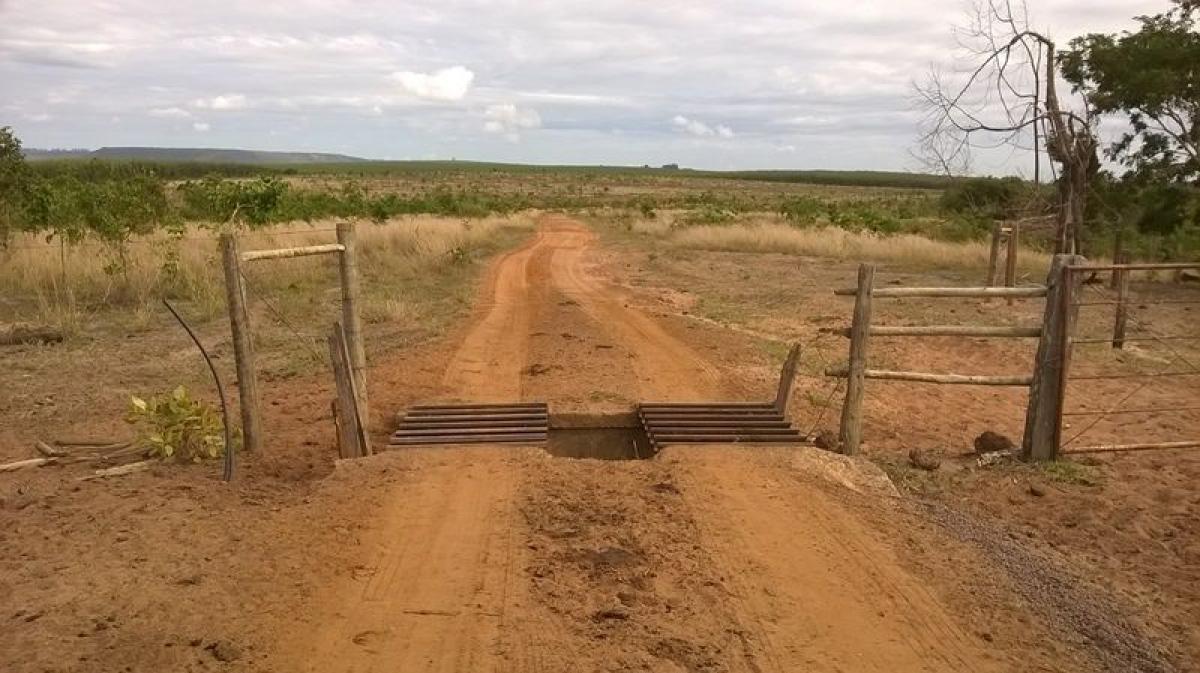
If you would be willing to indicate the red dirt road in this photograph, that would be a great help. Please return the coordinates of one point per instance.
(703, 559)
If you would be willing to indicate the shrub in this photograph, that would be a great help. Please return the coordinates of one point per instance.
(178, 426)
(996, 198)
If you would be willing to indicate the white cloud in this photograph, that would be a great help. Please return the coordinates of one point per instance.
(510, 120)
(447, 84)
(699, 128)
(232, 101)
(170, 113)
(201, 127)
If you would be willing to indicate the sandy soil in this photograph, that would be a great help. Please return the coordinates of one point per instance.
(505, 559)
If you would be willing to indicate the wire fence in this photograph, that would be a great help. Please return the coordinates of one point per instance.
(1148, 376)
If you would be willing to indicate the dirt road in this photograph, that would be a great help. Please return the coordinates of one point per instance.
(707, 559)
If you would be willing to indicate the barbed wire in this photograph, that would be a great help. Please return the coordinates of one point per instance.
(1160, 339)
(305, 339)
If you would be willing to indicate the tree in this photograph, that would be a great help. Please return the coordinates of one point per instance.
(14, 181)
(1153, 77)
(1011, 88)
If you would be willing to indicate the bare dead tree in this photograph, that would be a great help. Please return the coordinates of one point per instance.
(1009, 90)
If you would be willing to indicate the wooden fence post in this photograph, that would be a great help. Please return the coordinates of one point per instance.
(1010, 258)
(348, 267)
(850, 433)
(1122, 313)
(1118, 257)
(994, 254)
(346, 418)
(1043, 416)
(243, 346)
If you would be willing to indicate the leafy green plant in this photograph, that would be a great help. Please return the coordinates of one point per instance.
(177, 426)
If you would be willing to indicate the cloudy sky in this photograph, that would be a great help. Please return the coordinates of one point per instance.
(710, 84)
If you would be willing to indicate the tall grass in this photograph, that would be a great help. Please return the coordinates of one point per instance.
(58, 284)
(770, 234)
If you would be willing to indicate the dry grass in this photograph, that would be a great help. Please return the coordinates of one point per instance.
(61, 285)
(768, 234)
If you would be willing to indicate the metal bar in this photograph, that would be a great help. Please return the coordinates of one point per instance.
(480, 417)
(663, 406)
(469, 439)
(512, 405)
(1147, 410)
(1120, 448)
(745, 439)
(282, 253)
(735, 424)
(522, 430)
(981, 292)
(1114, 377)
(726, 431)
(420, 425)
(1141, 266)
(686, 418)
(924, 377)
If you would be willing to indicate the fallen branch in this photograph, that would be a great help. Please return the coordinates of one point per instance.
(48, 451)
(27, 334)
(120, 470)
(29, 462)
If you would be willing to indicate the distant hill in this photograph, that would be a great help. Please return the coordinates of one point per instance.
(192, 154)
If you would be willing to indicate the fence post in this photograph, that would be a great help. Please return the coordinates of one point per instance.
(243, 346)
(346, 418)
(994, 254)
(1122, 315)
(348, 268)
(1043, 417)
(850, 433)
(1118, 257)
(1010, 258)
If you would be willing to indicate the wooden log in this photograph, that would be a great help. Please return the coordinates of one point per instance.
(1146, 446)
(945, 330)
(1043, 416)
(1010, 258)
(850, 431)
(28, 462)
(120, 470)
(994, 254)
(351, 322)
(787, 377)
(975, 292)
(1121, 317)
(285, 253)
(924, 377)
(243, 347)
(48, 451)
(16, 335)
(347, 422)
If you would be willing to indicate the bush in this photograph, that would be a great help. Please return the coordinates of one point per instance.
(177, 426)
(997, 198)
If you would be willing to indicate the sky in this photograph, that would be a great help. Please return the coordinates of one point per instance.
(722, 84)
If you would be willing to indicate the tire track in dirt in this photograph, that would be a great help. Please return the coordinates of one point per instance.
(811, 587)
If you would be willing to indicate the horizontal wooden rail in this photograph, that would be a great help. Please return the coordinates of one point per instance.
(1167, 266)
(943, 330)
(283, 253)
(1147, 410)
(1120, 448)
(980, 292)
(924, 377)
